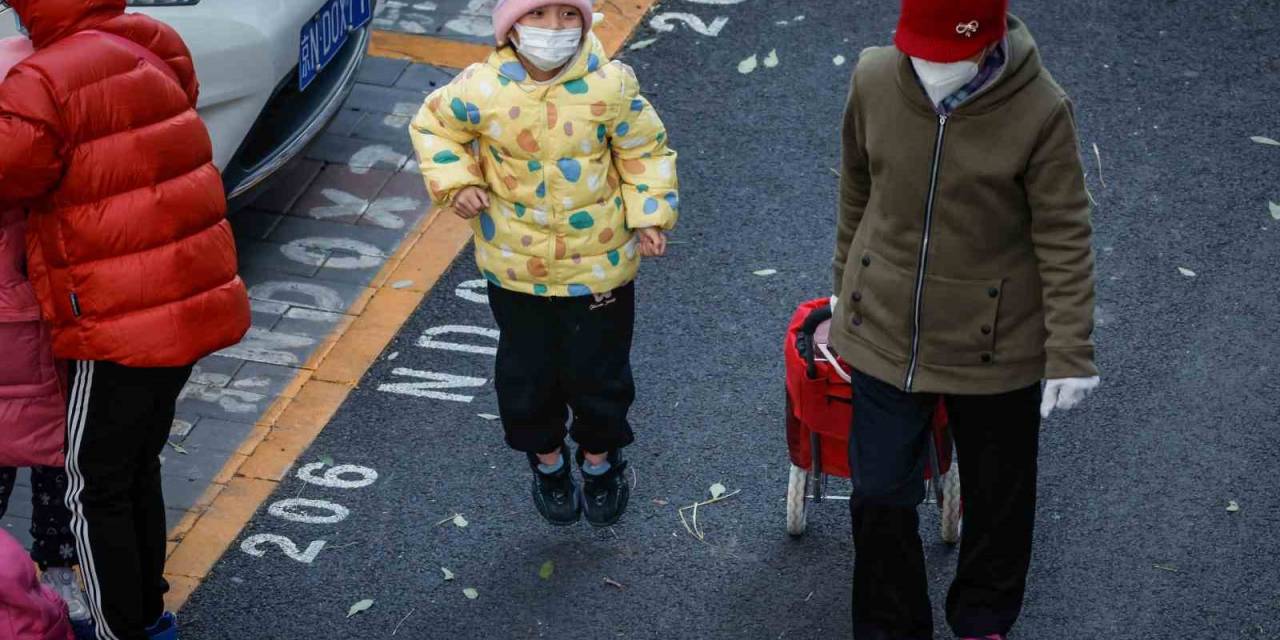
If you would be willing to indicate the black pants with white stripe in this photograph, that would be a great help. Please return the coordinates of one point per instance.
(117, 424)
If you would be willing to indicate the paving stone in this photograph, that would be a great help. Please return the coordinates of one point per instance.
(20, 501)
(277, 377)
(381, 71)
(19, 528)
(286, 186)
(313, 293)
(424, 77)
(265, 313)
(381, 127)
(316, 236)
(182, 427)
(308, 322)
(217, 436)
(250, 224)
(215, 370)
(400, 204)
(266, 346)
(256, 256)
(370, 98)
(360, 154)
(344, 121)
(339, 194)
(182, 492)
(467, 20)
(222, 403)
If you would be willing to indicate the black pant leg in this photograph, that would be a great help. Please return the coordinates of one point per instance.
(107, 407)
(997, 441)
(595, 369)
(533, 408)
(54, 545)
(887, 450)
(8, 478)
(150, 527)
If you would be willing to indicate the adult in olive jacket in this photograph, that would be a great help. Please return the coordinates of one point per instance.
(963, 270)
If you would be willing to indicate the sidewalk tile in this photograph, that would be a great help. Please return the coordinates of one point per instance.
(381, 71)
(222, 402)
(269, 347)
(275, 380)
(215, 370)
(276, 257)
(20, 502)
(287, 185)
(384, 100)
(423, 77)
(181, 493)
(339, 194)
(360, 154)
(308, 322)
(212, 436)
(250, 224)
(313, 293)
(19, 528)
(344, 122)
(400, 204)
(182, 427)
(305, 233)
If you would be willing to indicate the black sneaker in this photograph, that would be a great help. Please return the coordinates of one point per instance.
(556, 495)
(605, 496)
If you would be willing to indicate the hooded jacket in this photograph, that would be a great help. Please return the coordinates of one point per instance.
(32, 401)
(963, 261)
(28, 609)
(572, 167)
(127, 244)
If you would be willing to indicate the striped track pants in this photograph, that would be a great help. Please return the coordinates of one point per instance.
(118, 420)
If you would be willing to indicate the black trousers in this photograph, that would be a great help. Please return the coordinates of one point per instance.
(118, 421)
(52, 542)
(997, 441)
(558, 354)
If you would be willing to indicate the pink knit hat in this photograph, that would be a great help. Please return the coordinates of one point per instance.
(508, 12)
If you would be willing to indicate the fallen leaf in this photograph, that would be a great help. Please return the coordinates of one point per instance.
(546, 570)
(765, 272)
(660, 502)
(448, 575)
(470, 593)
(460, 522)
(394, 355)
(838, 61)
(1275, 210)
(326, 461)
(1167, 567)
(363, 605)
(401, 284)
(1264, 140)
(1232, 506)
(771, 60)
(748, 65)
(487, 416)
(613, 583)
(179, 448)
(1186, 272)
(800, 18)
(642, 44)
(717, 490)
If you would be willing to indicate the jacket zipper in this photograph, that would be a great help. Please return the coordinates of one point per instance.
(75, 304)
(924, 254)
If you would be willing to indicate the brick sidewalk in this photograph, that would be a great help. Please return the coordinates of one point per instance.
(310, 244)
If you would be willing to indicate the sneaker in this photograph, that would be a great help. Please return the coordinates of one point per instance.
(64, 582)
(605, 496)
(166, 628)
(556, 495)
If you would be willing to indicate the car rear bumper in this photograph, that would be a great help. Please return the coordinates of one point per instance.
(291, 118)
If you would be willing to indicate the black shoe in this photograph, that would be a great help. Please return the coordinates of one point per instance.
(556, 495)
(605, 496)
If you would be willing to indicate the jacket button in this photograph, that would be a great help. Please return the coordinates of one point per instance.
(866, 261)
(986, 329)
(856, 297)
(993, 292)
(857, 321)
(986, 357)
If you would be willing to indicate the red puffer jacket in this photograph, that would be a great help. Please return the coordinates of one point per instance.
(128, 245)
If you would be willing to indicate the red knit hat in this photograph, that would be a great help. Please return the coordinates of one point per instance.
(949, 30)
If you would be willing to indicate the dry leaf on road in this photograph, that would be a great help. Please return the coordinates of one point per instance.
(748, 65)
(1232, 506)
(1265, 140)
(1186, 272)
(470, 593)
(448, 575)
(363, 605)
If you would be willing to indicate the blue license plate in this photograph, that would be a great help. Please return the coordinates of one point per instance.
(324, 35)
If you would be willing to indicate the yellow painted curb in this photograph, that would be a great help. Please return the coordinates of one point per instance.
(305, 407)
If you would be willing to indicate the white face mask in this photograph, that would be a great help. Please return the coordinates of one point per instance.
(941, 79)
(547, 49)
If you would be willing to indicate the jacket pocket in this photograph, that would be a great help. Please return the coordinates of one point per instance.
(879, 295)
(958, 321)
(28, 368)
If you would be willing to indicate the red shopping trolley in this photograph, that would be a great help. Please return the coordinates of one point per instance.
(820, 408)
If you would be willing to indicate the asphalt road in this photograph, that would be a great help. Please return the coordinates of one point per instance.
(1133, 540)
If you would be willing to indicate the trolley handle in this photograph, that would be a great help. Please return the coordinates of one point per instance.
(804, 338)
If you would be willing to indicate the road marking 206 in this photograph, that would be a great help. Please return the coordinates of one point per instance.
(311, 511)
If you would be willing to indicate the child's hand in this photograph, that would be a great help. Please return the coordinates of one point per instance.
(470, 202)
(653, 242)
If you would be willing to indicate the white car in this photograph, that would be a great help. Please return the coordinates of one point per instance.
(272, 72)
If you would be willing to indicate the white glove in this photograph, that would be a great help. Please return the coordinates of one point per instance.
(1066, 393)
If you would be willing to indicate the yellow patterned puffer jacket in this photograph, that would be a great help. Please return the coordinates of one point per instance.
(572, 167)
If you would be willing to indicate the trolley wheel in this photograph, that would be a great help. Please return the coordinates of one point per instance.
(951, 506)
(797, 504)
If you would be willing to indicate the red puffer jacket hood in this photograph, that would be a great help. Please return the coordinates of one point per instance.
(128, 246)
